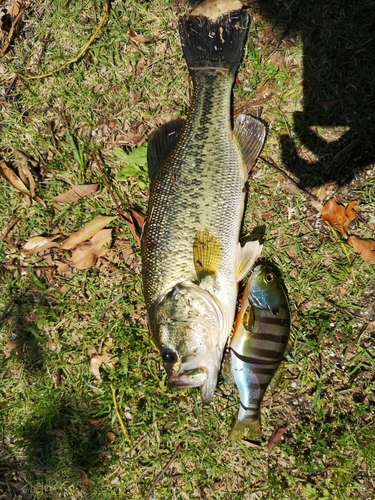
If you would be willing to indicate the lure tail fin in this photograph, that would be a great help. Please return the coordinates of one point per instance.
(250, 430)
(218, 44)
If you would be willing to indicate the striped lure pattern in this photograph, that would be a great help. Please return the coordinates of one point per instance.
(258, 345)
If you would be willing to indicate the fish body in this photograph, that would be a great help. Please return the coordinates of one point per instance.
(258, 345)
(191, 256)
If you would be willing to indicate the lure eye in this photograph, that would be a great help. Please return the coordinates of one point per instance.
(168, 356)
(269, 277)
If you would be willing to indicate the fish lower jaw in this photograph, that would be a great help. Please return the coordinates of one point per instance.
(201, 377)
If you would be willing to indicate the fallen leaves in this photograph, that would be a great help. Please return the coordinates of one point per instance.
(87, 253)
(365, 247)
(339, 218)
(86, 232)
(101, 357)
(75, 194)
(88, 244)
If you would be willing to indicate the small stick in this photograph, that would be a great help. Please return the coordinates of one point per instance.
(124, 430)
(165, 468)
(271, 164)
(108, 306)
(80, 53)
(10, 226)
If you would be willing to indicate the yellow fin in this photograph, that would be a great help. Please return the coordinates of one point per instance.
(207, 253)
(246, 430)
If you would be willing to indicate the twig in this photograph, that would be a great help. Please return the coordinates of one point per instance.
(80, 53)
(165, 468)
(10, 34)
(271, 164)
(7, 309)
(124, 430)
(10, 226)
(108, 306)
(12, 267)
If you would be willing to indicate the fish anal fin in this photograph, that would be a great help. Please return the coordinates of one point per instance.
(249, 134)
(160, 143)
(207, 251)
(246, 257)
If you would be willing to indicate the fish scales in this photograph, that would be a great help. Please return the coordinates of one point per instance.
(198, 170)
(258, 345)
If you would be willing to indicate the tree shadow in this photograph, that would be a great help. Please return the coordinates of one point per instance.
(338, 87)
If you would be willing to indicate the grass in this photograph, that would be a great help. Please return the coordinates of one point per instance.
(60, 434)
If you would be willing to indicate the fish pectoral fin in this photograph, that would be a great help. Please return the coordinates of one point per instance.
(291, 341)
(249, 134)
(246, 257)
(160, 143)
(207, 251)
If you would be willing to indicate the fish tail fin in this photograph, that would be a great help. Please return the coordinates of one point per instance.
(218, 44)
(250, 430)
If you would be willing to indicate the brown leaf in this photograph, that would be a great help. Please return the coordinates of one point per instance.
(86, 254)
(85, 478)
(75, 194)
(338, 216)
(86, 232)
(13, 179)
(38, 243)
(140, 38)
(10, 346)
(275, 438)
(365, 247)
(97, 360)
(96, 421)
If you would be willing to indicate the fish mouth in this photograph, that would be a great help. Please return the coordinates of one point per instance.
(199, 377)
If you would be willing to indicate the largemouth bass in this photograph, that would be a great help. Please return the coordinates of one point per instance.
(258, 345)
(198, 168)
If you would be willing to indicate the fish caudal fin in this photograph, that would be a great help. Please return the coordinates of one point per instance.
(209, 44)
(245, 429)
(250, 134)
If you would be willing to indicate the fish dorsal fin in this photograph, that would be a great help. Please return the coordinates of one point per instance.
(250, 134)
(207, 251)
(160, 143)
(245, 258)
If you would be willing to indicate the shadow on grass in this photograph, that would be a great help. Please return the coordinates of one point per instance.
(338, 86)
(59, 439)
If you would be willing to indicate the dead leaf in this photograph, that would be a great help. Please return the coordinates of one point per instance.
(96, 421)
(13, 179)
(365, 247)
(86, 254)
(338, 216)
(140, 38)
(86, 232)
(10, 346)
(85, 478)
(111, 436)
(75, 194)
(275, 438)
(38, 243)
(97, 360)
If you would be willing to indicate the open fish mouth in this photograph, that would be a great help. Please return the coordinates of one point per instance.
(198, 377)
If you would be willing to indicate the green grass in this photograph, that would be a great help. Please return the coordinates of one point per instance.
(60, 436)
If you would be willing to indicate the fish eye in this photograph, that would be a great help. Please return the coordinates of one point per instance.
(269, 277)
(168, 356)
